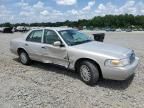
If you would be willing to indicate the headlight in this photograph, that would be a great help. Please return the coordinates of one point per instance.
(117, 62)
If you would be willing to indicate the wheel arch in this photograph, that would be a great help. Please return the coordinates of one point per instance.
(91, 60)
(21, 49)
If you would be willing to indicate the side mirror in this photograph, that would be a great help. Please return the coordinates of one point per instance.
(57, 43)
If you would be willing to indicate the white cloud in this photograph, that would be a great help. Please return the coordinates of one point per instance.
(5, 14)
(73, 12)
(89, 6)
(39, 5)
(130, 7)
(39, 12)
(84, 13)
(44, 13)
(66, 2)
(4, 11)
(24, 13)
(101, 7)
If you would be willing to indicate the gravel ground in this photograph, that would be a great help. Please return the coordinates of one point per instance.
(45, 85)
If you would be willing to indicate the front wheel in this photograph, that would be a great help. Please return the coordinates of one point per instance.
(24, 58)
(89, 72)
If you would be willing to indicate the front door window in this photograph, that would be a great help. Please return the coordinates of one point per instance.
(50, 37)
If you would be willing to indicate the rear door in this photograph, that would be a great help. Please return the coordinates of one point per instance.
(34, 43)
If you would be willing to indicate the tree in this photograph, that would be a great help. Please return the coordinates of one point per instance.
(112, 21)
(7, 24)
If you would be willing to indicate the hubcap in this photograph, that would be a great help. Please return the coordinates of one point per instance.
(23, 58)
(85, 72)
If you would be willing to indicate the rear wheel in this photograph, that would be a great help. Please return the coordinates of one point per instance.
(89, 72)
(24, 58)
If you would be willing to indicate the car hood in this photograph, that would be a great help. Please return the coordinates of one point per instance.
(102, 48)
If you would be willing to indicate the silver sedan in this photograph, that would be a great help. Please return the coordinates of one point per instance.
(75, 50)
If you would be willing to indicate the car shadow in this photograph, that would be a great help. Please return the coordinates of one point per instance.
(116, 85)
(110, 84)
(56, 68)
(53, 68)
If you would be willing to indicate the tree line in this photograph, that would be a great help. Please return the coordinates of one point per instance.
(107, 21)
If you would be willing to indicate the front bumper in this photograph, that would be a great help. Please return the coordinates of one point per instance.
(120, 73)
(12, 51)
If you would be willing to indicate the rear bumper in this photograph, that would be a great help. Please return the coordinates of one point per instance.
(120, 73)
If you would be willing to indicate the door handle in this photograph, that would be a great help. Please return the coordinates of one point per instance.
(26, 44)
(43, 47)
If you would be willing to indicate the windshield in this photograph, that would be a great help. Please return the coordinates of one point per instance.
(74, 37)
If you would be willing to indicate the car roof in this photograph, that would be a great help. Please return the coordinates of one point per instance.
(54, 28)
(58, 28)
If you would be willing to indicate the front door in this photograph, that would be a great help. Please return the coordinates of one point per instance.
(56, 54)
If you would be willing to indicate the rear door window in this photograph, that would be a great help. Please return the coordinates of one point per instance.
(35, 36)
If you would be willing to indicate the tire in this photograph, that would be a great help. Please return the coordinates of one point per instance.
(88, 72)
(24, 58)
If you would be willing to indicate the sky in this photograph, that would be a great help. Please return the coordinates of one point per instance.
(29, 11)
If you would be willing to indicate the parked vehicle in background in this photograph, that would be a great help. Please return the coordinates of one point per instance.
(118, 30)
(140, 29)
(21, 29)
(99, 37)
(128, 30)
(6, 29)
(110, 29)
(1, 29)
(75, 50)
(135, 29)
